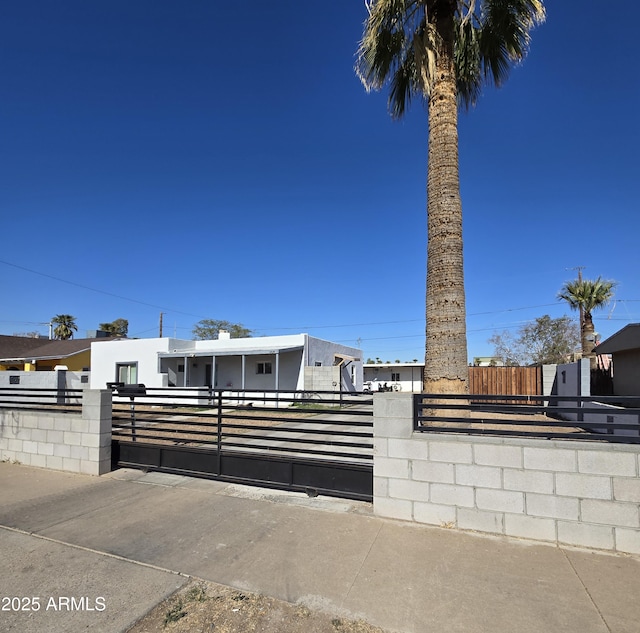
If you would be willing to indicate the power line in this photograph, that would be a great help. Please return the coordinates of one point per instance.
(103, 292)
(276, 329)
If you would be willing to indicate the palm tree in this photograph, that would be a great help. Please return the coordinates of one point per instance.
(117, 328)
(588, 295)
(443, 51)
(65, 326)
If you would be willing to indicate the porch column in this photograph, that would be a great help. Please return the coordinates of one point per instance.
(277, 371)
(184, 374)
(213, 372)
(244, 371)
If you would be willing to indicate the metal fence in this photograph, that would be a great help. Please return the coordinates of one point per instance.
(313, 442)
(323, 425)
(40, 399)
(600, 419)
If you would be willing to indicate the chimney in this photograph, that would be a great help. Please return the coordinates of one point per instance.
(224, 335)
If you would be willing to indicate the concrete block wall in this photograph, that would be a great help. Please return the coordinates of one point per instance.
(326, 378)
(75, 442)
(43, 380)
(568, 492)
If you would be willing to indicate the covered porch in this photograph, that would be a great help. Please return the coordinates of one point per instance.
(270, 369)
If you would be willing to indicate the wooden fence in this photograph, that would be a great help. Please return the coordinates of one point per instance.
(505, 381)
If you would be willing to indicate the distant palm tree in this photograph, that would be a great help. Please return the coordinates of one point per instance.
(443, 51)
(589, 295)
(65, 326)
(118, 328)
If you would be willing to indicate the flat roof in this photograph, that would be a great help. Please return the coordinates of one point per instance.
(229, 352)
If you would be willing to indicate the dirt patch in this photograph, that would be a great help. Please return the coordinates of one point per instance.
(531, 424)
(184, 426)
(206, 607)
(193, 427)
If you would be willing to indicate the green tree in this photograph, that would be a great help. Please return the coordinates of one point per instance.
(65, 326)
(443, 51)
(588, 294)
(119, 327)
(209, 329)
(544, 342)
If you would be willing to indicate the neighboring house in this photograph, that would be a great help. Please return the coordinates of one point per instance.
(396, 376)
(17, 347)
(291, 362)
(46, 355)
(487, 379)
(487, 361)
(624, 346)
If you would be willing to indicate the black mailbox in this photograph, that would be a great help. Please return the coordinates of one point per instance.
(114, 385)
(131, 390)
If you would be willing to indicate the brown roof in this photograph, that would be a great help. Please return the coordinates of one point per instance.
(19, 346)
(48, 349)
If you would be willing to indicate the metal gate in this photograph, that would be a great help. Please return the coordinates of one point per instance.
(313, 442)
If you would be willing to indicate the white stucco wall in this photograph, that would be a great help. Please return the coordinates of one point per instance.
(410, 376)
(105, 356)
(227, 366)
(229, 371)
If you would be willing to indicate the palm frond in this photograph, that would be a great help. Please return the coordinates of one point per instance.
(467, 63)
(400, 44)
(588, 294)
(382, 41)
(424, 47)
(401, 88)
(396, 49)
(504, 34)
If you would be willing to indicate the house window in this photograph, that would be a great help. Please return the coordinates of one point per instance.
(181, 368)
(395, 377)
(127, 373)
(263, 368)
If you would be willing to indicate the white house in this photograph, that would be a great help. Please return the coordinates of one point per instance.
(290, 362)
(395, 376)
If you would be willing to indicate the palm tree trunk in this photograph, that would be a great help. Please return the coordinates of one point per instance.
(446, 370)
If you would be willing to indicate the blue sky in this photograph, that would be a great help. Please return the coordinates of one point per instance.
(209, 159)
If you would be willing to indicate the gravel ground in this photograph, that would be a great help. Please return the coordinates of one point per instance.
(205, 607)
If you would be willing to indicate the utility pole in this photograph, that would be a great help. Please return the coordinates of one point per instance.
(579, 269)
(580, 307)
(161, 324)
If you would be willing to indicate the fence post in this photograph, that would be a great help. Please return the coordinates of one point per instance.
(392, 425)
(219, 422)
(96, 431)
(584, 383)
(61, 386)
(132, 407)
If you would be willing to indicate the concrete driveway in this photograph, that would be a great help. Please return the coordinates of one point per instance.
(119, 544)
